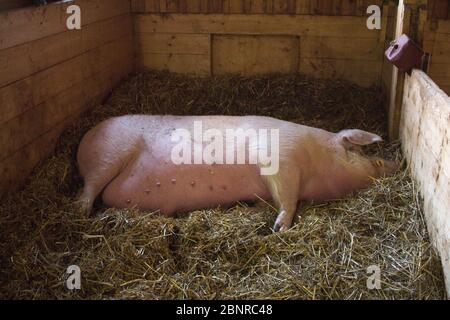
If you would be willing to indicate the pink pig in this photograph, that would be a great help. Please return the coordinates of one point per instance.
(130, 160)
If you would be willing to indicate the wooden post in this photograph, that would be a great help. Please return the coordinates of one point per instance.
(398, 78)
(412, 25)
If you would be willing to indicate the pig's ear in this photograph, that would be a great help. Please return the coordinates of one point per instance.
(357, 137)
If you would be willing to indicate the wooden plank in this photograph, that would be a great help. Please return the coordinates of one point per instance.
(13, 4)
(364, 73)
(442, 82)
(215, 6)
(322, 7)
(28, 24)
(392, 18)
(284, 6)
(440, 51)
(23, 60)
(438, 9)
(15, 169)
(257, 6)
(290, 7)
(139, 6)
(341, 27)
(397, 83)
(431, 36)
(254, 54)
(386, 80)
(195, 6)
(331, 47)
(443, 26)
(348, 8)
(42, 115)
(173, 43)
(35, 89)
(437, 42)
(235, 6)
(19, 165)
(172, 6)
(303, 7)
(195, 64)
(425, 136)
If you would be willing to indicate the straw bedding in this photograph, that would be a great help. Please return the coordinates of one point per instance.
(224, 253)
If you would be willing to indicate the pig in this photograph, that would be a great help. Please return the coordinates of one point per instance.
(129, 160)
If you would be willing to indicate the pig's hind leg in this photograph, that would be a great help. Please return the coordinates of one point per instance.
(93, 186)
(99, 169)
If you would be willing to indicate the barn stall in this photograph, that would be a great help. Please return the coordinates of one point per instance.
(311, 62)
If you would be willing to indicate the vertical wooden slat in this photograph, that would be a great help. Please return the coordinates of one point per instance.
(172, 6)
(162, 6)
(438, 9)
(303, 7)
(361, 7)
(247, 5)
(269, 6)
(236, 6)
(283, 7)
(182, 6)
(398, 78)
(215, 6)
(348, 7)
(193, 6)
(204, 6)
(323, 7)
(226, 6)
(151, 6)
(138, 5)
(336, 7)
(258, 6)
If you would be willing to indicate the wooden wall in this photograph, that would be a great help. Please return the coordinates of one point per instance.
(387, 69)
(12, 4)
(287, 40)
(438, 9)
(49, 75)
(425, 136)
(437, 42)
(311, 7)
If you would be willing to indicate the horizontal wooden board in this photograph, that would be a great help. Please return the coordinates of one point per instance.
(341, 48)
(306, 7)
(23, 95)
(57, 102)
(195, 64)
(173, 43)
(437, 26)
(440, 51)
(438, 9)
(443, 83)
(425, 135)
(437, 42)
(16, 167)
(24, 60)
(318, 26)
(254, 54)
(31, 23)
(13, 4)
(364, 73)
(440, 73)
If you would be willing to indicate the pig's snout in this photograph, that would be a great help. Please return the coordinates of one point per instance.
(385, 168)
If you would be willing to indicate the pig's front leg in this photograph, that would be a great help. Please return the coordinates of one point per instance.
(284, 220)
(284, 189)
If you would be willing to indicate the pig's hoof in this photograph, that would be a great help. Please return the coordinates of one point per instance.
(84, 206)
(280, 227)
